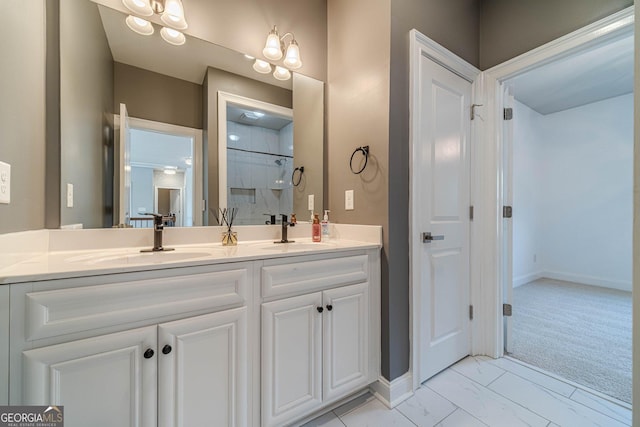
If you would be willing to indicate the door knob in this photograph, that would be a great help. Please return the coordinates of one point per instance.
(427, 237)
(148, 354)
(329, 307)
(166, 349)
(320, 309)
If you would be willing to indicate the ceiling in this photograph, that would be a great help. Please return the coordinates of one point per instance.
(599, 73)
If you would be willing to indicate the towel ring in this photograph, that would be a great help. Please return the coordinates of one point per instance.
(293, 176)
(365, 152)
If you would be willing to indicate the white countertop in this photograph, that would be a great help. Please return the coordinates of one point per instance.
(36, 260)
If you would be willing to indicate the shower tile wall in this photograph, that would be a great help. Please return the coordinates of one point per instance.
(257, 184)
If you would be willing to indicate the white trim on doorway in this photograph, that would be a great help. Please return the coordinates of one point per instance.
(492, 172)
(421, 46)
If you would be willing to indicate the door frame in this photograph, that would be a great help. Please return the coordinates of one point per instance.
(156, 188)
(494, 173)
(421, 45)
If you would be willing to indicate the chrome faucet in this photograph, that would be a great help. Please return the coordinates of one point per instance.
(158, 227)
(285, 223)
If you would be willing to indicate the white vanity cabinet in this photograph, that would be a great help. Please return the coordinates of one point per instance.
(317, 347)
(172, 373)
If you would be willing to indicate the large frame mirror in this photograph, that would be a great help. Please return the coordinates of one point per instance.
(104, 64)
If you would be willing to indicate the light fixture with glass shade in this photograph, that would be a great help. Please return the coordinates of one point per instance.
(139, 25)
(274, 49)
(261, 66)
(281, 73)
(172, 36)
(171, 14)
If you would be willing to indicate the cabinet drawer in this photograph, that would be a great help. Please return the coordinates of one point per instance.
(64, 311)
(310, 276)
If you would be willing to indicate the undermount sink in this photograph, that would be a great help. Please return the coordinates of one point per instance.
(143, 257)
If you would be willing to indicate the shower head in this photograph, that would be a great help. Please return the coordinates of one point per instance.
(280, 162)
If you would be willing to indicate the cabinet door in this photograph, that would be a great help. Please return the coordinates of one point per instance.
(202, 369)
(106, 381)
(346, 339)
(291, 358)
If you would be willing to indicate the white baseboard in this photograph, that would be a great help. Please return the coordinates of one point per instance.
(588, 280)
(395, 392)
(526, 278)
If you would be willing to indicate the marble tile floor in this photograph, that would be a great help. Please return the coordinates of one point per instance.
(480, 391)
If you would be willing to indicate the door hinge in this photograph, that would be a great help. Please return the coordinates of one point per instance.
(471, 213)
(507, 212)
(507, 309)
(473, 111)
(470, 312)
(508, 113)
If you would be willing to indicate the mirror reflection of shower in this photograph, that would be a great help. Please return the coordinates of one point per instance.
(259, 163)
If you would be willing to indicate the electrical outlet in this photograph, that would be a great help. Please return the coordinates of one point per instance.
(311, 203)
(348, 200)
(69, 195)
(5, 183)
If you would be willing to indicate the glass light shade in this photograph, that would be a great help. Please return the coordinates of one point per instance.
(139, 7)
(272, 49)
(261, 66)
(281, 73)
(139, 25)
(173, 15)
(172, 36)
(292, 58)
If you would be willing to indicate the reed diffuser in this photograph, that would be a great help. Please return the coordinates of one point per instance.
(227, 216)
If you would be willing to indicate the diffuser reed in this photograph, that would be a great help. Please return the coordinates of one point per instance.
(227, 216)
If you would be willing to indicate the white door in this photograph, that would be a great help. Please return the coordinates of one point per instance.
(124, 171)
(105, 381)
(175, 205)
(291, 358)
(202, 378)
(441, 208)
(346, 339)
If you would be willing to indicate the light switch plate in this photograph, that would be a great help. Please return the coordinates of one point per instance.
(312, 202)
(69, 195)
(348, 200)
(5, 183)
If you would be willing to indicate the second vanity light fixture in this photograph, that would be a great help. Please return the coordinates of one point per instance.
(274, 50)
(171, 13)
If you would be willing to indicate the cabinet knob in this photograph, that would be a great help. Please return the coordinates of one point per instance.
(166, 349)
(329, 307)
(320, 309)
(148, 354)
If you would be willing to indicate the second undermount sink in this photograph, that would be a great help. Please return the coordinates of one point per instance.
(143, 257)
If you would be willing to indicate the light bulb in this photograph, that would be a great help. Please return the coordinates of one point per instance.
(272, 49)
(281, 73)
(139, 7)
(172, 36)
(173, 15)
(261, 66)
(139, 25)
(292, 58)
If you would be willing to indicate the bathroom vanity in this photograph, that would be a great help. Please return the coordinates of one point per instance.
(253, 335)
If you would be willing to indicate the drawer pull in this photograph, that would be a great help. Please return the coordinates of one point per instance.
(148, 354)
(329, 307)
(320, 309)
(166, 349)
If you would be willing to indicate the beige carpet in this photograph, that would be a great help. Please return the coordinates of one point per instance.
(579, 332)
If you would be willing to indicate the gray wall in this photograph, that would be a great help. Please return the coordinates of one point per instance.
(308, 140)
(157, 97)
(218, 80)
(22, 112)
(86, 100)
(509, 28)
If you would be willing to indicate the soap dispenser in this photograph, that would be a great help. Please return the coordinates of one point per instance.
(325, 224)
(316, 234)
